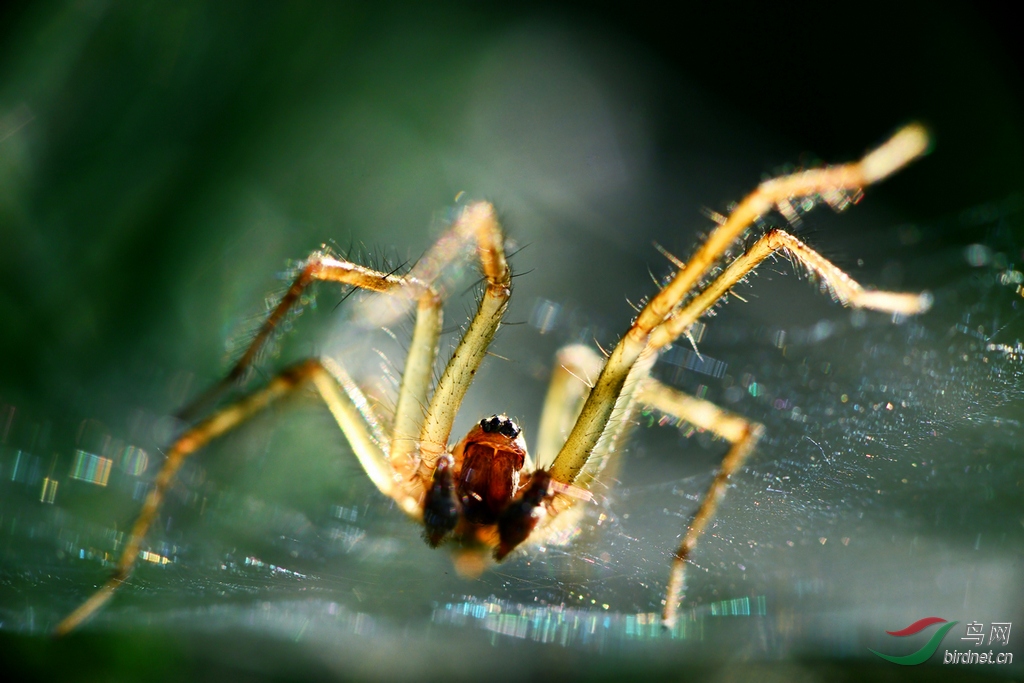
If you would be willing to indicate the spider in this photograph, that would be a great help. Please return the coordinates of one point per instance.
(483, 495)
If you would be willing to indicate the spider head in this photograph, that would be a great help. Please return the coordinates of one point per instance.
(500, 424)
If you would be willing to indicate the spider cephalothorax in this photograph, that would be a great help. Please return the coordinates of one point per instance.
(485, 494)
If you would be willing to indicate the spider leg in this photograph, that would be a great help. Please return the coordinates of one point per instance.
(704, 415)
(349, 408)
(479, 222)
(842, 286)
(906, 145)
(392, 470)
(412, 393)
(576, 369)
(475, 224)
(423, 347)
(742, 434)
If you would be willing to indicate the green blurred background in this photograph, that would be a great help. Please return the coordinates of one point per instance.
(155, 154)
(161, 162)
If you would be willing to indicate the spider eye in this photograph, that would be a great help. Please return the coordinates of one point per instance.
(500, 424)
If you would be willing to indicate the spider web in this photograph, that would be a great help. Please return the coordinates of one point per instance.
(887, 484)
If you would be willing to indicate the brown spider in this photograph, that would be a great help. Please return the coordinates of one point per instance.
(484, 495)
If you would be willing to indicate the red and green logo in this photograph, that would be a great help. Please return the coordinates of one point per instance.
(929, 648)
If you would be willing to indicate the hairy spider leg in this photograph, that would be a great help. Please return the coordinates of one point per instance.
(396, 477)
(323, 267)
(477, 224)
(480, 221)
(576, 369)
(741, 433)
(327, 377)
(610, 401)
(906, 145)
(842, 287)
